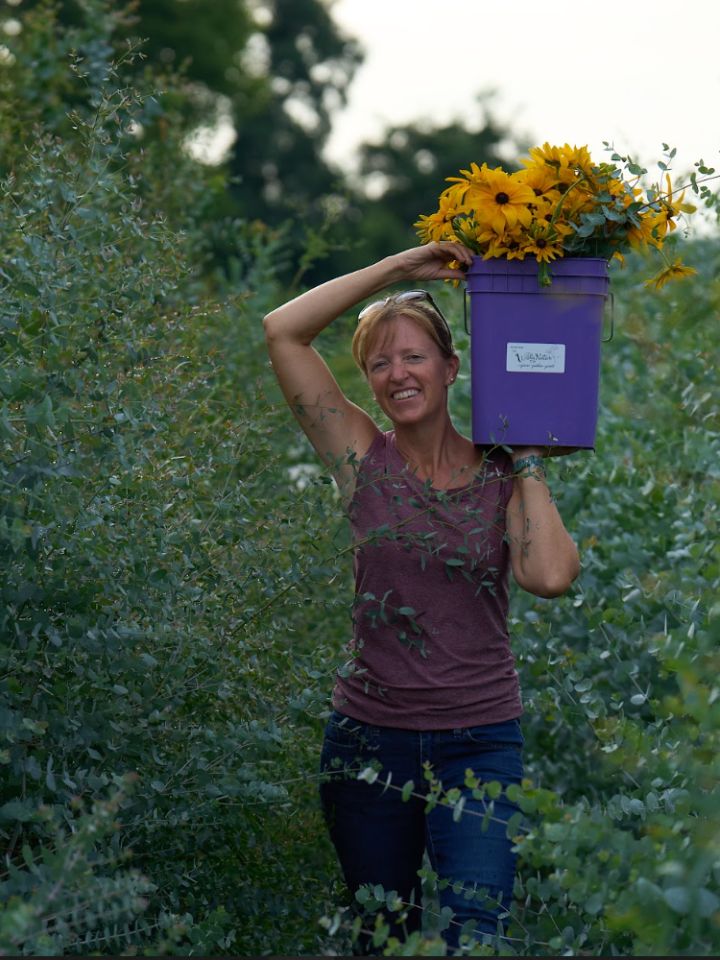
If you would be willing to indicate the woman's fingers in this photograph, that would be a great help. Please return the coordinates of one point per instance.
(450, 250)
(432, 261)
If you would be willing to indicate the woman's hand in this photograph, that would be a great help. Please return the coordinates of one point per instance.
(430, 262)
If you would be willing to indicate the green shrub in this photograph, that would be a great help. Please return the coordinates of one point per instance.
(176, 576)
(142, 468)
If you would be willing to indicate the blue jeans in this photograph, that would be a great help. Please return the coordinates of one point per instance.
(380, 838)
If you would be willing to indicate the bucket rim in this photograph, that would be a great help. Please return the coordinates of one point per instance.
(563, 267)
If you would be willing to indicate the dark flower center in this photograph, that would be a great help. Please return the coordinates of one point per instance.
(541, 243)
(502, 198)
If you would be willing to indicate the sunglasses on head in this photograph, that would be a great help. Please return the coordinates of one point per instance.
(408, 296)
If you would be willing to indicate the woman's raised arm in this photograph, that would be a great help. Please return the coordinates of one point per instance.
(336, 427)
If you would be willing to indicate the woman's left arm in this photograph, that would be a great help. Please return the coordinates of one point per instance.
(544, 558)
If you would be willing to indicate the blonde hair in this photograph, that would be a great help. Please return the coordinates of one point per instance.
(420, 312)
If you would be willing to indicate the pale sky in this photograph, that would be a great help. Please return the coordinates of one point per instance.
(636, 74)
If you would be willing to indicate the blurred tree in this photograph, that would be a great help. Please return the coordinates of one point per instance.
(273, 69)
(274, 72)
(277, 163)
(401, 176)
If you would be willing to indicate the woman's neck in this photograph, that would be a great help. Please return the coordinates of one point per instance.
(442, 456)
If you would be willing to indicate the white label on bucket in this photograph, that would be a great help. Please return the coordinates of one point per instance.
(535, 358)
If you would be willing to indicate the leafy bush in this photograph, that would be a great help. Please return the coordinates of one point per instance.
(140, 462)
(176, 576)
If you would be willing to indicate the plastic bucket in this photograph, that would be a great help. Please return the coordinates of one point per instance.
(535, 351)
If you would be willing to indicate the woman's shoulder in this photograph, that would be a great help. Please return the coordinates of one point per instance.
(380, 445)
(380, 457)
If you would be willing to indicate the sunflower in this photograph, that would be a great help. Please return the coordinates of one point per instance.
(499, 199)
(438, 225)
(542, 241)
(547, 210)
(670, 208)
(671, 271)
(569, 163)
(558, 204)
(543, 180)
(646, 229)
(509, 246)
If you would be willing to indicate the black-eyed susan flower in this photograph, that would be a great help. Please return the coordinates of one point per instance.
(542, 241)
(499, 199)
(559, 204)
(438, 225)
(671, 208)
(671, 271)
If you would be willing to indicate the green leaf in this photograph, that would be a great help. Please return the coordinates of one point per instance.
(458, 809)
(20, 811)
(594, 903)
(368, 774)
(708, 902)
(494, 789)
(678, 899)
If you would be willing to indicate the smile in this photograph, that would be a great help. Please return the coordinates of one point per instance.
(405, 394)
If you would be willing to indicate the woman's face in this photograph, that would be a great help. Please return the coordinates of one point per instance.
(407, 372)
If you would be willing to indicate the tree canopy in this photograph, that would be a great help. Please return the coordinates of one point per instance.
(278, 71)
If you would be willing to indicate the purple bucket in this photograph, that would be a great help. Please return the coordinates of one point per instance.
(536, 351)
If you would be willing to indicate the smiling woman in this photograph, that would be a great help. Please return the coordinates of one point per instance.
(437, 524)
(406, 368)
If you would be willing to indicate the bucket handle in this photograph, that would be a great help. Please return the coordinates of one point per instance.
(611, 297)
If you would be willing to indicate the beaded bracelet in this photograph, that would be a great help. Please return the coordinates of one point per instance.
(532, 466)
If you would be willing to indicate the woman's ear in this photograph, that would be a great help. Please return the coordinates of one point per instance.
(453, 367)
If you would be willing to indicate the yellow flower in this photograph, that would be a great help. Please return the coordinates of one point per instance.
(499, 199)
(455, 194)
(568, 162)
(559, 204)
(438, 225)
(671, 271)
(650, 231)
(542, 242)
(508, 246)
(542, 179)
(673, 208)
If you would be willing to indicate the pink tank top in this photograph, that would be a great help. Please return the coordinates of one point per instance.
(430, 647)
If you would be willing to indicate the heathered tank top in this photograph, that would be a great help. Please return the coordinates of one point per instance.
(430, 647)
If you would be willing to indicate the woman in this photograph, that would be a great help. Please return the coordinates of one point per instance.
(431, 688)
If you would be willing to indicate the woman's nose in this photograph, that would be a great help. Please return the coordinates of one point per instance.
(398, 371)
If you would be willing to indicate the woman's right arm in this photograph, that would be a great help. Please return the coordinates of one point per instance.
(338, 429)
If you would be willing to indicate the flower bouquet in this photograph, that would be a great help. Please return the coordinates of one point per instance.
(560, 204)
(543, 236)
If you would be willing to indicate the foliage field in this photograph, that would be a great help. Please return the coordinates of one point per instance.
(176, 579)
